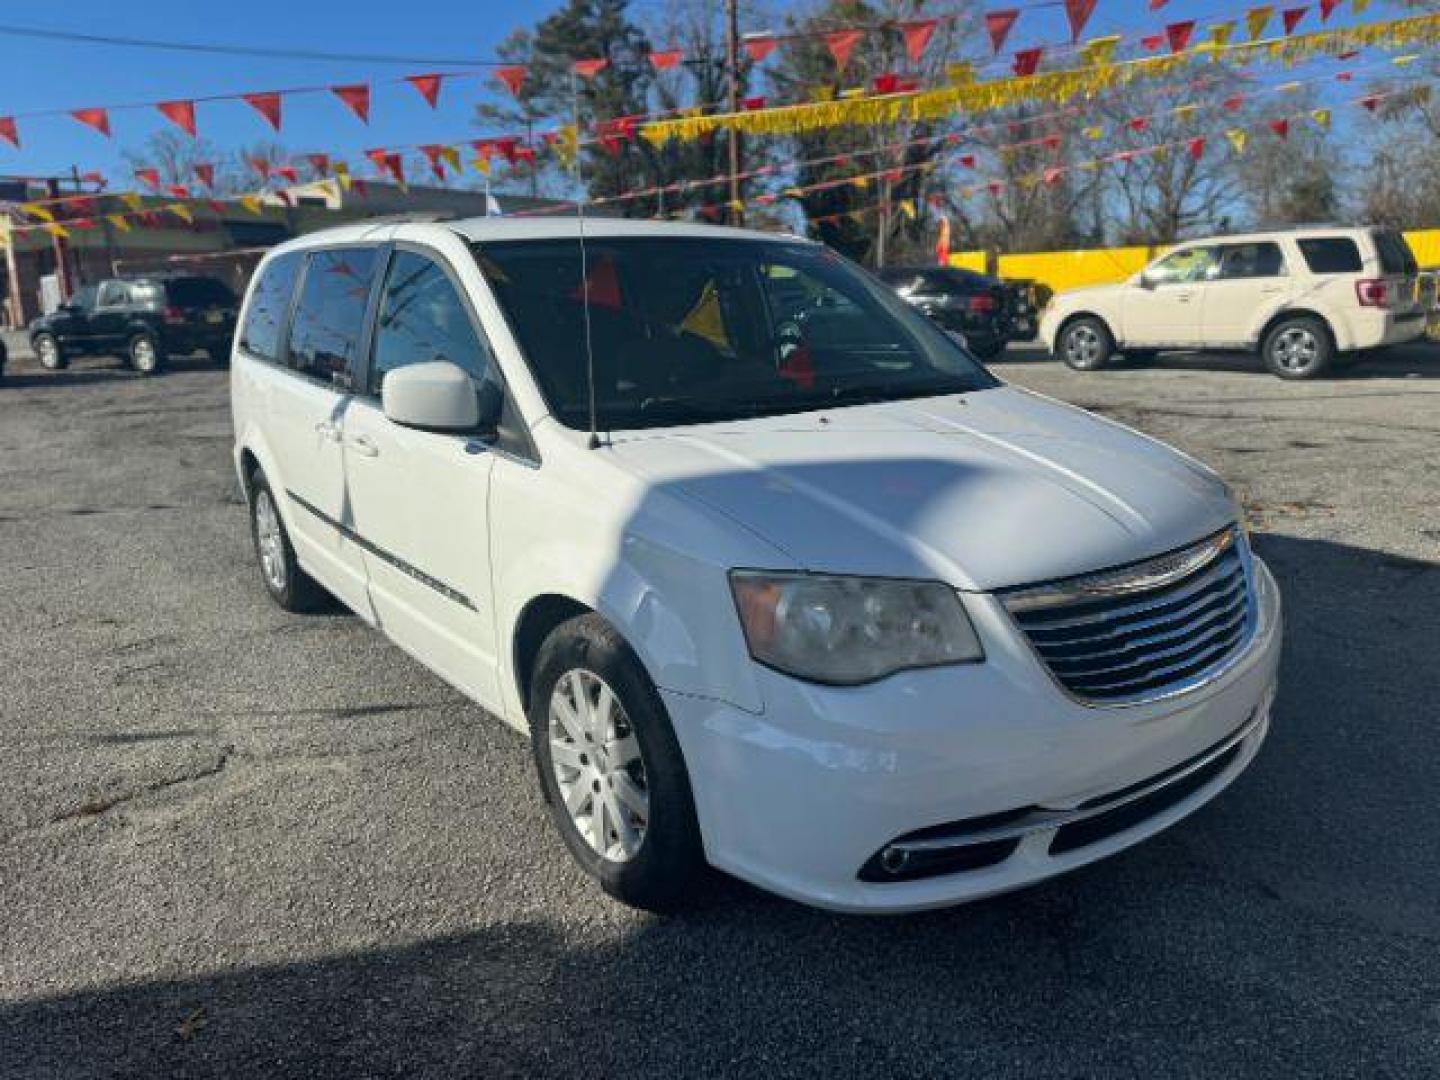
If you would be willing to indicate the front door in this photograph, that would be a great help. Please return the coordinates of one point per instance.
(1162, 307)
(71, 324)
(111, 317)
(421, 499)
(306, 410)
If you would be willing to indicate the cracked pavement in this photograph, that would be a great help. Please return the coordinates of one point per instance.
(235, 842)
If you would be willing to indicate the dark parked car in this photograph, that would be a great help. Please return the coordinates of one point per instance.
(145, 320)
(980, 307)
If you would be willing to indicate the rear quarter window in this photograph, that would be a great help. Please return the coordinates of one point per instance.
(1330, 254)
(269, 301)
(1395, 254)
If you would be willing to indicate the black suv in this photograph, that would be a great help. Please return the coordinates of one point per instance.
(144, 320)
(980, 307)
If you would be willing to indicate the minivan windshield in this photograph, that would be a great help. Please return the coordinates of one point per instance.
(687, 330)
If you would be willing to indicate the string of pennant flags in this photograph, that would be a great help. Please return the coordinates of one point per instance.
(841, 42)
(323, 166)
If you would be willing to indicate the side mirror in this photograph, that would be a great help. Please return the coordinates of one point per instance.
(439, 396)
(1144, 282)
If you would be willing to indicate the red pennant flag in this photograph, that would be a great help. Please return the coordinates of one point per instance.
(917, 36)
(1327, 8)
(1292, 17)
(1178, 34)
(750, 104)
(998, 25)
(1370, 102)
(967, 161)
(1053, 174)
(1156, 5)
(513, 77)
(525, 154)
(666, 59)
(9, 132)
(841, 44)
(1078, 12)
(394, 164)
(1233, 102)
(267, 105)
(319, 162)
(759, 46)
(149, 177)
(1281, 127)
(180, 191)
(1051, 142)
(887, 83)
(216, 206)
(359, 187)
(287, 173)
(427, 86)
(1196, 146)
(1139, 123)
(1345, 76)
(205, 173)
(98, 119)
(588, 69)
(94, 176)
(1151, 42)
(432, 152)
(1027, 61)
(1348, 54)
(179, 113)
(996, 187)
(357, 98)
(260, 165)
(506, 147)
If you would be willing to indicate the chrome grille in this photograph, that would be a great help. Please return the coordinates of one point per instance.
(1145, 630)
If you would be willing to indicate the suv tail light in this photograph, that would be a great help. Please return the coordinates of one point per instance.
(983, 302)
(1372, 292)
(173, 316)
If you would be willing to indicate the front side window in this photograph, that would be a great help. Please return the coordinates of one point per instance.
(1330, 254)
(114, 294)
(691, 331)
(1184, 267)
(1251, 261)
(422, 319)
(269, 300)
(330, 315)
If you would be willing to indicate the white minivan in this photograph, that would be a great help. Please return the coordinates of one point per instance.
(779, 579)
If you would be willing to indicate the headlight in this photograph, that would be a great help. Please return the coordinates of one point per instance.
(845, 630)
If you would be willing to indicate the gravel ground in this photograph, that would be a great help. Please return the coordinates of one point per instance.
(235, 842)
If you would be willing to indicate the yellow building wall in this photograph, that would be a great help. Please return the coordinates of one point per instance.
(1062, 270)
(969, 260)
(1425, 243)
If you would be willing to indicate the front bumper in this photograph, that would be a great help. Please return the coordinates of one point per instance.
(798, 799)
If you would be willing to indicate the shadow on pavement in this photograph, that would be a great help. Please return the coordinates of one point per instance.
(1290, 928)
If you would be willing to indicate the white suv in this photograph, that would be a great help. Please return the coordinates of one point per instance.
(776, 575)
(1304, 298)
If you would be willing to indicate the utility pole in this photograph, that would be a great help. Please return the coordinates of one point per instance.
(732, 53)
(57, 245)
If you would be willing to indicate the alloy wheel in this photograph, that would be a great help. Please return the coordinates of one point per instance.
(270, 541)
(48, 353)
(1295, 349)
(597, 765)
(1083, 346)
(143, 355)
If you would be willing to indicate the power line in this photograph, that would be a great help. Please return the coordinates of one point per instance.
(77, 37)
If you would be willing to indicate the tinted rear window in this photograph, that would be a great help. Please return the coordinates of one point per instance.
(1395, 254)
(269, 300)
(199, 292)
(1331, 255)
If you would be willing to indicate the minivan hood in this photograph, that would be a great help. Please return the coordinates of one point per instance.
(984, 490)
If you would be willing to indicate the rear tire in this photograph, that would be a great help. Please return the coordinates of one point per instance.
(1299, 347)
(288, 585)
(144, 354)
(603, 745)
(1086, 344)
(48, 352)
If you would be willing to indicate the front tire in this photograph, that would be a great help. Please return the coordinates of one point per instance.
(1086, 344)
(611, 769)
(145, 355)
(1298, 348)
(288, 585)
(47, 351)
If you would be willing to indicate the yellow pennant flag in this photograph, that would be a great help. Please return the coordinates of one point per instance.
(1256, 19)
(1220, 34)
(342, 174)
(451, 156)
(1184, 112)
(1359, 6)
(251, 203)
(56, 230)
(132, 201)
(961, 74)
(182, 211)
(793, 193)
(1094, 132)
(1237, 139)
(1099, 51)
(860, 183)
(1321, 118)
(1405, 61)
(482, 165)
(566, 145)
(907, 207)
(35, 210)
(1288, 88)
(120, 221)
(738, 205)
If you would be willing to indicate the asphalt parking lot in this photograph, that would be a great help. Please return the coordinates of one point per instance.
(235, 842)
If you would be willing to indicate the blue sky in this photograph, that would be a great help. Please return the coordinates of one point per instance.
(44, 75)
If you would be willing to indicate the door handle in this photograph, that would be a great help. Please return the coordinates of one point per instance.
(328, 431)
(364, 447)
(1183, 297)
